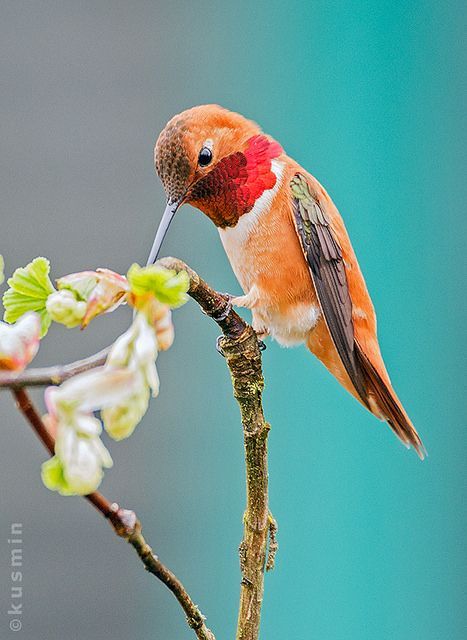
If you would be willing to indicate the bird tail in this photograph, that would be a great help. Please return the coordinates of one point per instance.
(376, 393)
(383, 401)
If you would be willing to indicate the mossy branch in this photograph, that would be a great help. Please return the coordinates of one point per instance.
(239, 345)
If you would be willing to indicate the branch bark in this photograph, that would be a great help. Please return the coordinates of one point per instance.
(41, 377)
(239, 345)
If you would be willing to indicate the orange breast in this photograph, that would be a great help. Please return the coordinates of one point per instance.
(265, 254)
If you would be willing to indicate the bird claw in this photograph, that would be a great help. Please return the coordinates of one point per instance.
(261, 346)
(218, 346)
(220, 317)
(231, 301)
(261, 332)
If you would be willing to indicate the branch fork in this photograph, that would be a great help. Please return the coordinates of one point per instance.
(240, 347)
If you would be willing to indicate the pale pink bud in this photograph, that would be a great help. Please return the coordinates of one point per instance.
(108, 294)
(19, 342)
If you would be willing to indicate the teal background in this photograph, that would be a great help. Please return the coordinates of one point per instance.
(369, 97)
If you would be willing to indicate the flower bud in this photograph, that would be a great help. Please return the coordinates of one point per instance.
(63, 307)
(19, 342)
(80, 456)
(121, 420)
(163, 327)
(107, 295)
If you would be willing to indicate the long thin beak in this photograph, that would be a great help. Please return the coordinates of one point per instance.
(164, 224)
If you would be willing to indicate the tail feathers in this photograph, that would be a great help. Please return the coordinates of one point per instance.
(388, 406)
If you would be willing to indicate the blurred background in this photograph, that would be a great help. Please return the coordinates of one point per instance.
(370, 97)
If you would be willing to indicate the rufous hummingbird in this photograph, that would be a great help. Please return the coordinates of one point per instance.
(287, 245)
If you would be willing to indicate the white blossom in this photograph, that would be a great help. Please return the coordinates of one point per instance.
(136, 350)
(78, 446)
(120, 390)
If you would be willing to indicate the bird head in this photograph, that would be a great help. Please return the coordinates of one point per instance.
(217, 161)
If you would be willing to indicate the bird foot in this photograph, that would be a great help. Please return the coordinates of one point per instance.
(247, 301)
(261, 333)
(261, 346)
(220, 317)
(218, 346)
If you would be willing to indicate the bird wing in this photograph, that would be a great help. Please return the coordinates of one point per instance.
(319, 229)
(325, 260)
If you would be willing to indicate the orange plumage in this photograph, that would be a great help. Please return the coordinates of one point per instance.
(287, 245)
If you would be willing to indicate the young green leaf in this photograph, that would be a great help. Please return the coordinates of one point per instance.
(168, 286)
(30, 287)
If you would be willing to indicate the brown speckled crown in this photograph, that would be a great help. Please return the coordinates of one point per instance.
(171, 161)
(239, 170)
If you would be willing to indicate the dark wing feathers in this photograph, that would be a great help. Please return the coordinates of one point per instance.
(324, 257)
(390, 406)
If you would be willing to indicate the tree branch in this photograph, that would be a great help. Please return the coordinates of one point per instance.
(125, 524)
(57, 374)
(239, 345)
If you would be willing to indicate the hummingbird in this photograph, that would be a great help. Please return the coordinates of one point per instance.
(287, 245)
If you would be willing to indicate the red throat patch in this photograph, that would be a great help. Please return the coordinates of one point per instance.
(236, 182)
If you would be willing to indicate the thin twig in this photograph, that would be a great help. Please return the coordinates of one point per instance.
(239, 345)
(125, 524)
(57, 374)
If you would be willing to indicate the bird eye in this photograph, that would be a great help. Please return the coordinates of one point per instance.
(205, 157)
